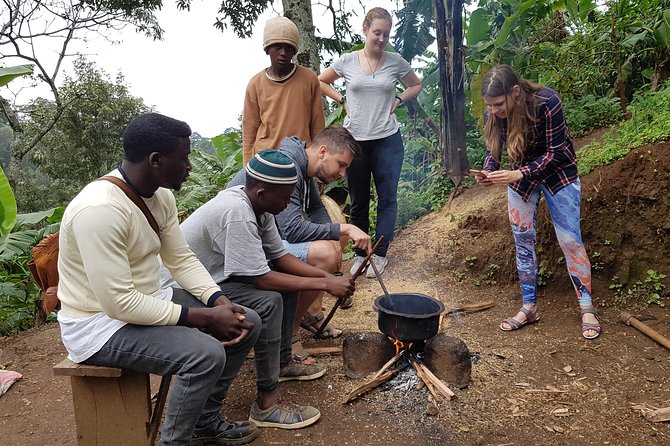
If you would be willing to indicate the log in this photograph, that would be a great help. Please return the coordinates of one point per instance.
(324, 351)
(658, 415)
(628, 319)
(426, 381)
(389, 364)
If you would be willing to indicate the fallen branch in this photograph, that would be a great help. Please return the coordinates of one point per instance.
(658, 415)
(472, 308)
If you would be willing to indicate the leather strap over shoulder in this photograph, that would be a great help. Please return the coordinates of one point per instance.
(136, 199)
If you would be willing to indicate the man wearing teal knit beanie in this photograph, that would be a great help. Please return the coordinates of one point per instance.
(235, 236)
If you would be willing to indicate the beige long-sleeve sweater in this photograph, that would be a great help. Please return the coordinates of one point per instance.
(108, 257)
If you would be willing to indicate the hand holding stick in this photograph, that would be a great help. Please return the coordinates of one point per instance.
(339, 301)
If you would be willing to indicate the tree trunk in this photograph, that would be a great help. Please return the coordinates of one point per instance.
(300, 13)
(450, 51)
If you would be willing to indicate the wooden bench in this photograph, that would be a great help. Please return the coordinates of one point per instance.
(112, 406)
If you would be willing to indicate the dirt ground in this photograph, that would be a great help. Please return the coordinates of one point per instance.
(463, 254)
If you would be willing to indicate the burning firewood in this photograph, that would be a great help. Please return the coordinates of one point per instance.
(383, 375)
(433, 383)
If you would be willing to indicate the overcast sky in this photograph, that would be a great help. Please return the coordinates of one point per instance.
(196, 73)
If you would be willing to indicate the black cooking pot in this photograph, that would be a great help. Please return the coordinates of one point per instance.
(408, 317)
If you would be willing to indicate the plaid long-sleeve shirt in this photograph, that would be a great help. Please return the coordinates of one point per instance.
(549, 155)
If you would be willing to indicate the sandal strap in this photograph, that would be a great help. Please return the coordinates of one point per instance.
(589, 310)
(313, 319)
(590, 326)
(531, 316)
(513, 323)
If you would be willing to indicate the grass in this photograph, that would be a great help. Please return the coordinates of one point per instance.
(649, 122)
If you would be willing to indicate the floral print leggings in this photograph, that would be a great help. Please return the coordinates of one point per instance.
(564, 208)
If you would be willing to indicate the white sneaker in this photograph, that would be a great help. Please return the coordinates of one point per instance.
(380, 263)
(357, 263)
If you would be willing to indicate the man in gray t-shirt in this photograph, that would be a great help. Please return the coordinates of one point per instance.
(235, 237)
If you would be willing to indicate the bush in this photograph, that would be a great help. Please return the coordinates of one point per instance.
(649, 122)
(589, 113)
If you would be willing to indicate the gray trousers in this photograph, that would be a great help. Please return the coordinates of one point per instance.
(203, 369)
(277, 313)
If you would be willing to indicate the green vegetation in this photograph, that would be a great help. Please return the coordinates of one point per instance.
(607, 63)
(649, 122)
(591, 112)
(19, 296)
(544, 273)
(211, 172)
(642, 293)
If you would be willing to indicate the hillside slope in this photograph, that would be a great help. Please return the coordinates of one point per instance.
(464, 253)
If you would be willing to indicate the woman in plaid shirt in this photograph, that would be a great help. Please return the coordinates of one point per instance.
(527, 119)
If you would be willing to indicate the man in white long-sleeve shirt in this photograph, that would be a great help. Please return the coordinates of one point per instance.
(114, 313)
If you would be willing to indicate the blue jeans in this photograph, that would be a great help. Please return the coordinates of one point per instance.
(564, 208)
(382, 160)
(202, 367)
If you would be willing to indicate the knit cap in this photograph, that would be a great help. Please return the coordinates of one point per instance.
(280, 30)
(272, 166)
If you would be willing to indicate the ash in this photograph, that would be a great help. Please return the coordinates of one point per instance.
(404, 381)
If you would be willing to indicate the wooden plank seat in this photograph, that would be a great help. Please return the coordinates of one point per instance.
(112, 406)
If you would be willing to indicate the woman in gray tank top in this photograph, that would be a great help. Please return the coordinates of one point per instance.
(370, 78)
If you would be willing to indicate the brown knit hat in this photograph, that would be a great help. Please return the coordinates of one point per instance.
(280, 30)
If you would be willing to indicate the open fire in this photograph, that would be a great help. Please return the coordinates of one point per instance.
(409, 325)
(409, 353)
(399, 345)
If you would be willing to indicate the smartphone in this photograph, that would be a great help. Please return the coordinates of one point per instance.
(480, 172)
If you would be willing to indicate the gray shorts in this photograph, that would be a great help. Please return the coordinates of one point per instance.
(299, 250)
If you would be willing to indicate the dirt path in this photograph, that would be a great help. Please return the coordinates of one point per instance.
(601, 384)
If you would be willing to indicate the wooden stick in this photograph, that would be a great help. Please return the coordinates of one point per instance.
(339, 300)
(314, 351)
(420, 373)
(389, 363)
(658, 415)
(431, 380)
(382, 375)
(157, 413)
(358, 391)
(628, 319)
(473, 308)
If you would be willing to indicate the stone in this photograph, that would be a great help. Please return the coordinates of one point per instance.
(365, 352)
(449, 359)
